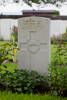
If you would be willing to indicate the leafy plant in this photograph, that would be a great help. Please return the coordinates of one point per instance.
(56, 12)
(23, 81)
(7, 51)
(60, 56)
(58, 80)
(58, 69)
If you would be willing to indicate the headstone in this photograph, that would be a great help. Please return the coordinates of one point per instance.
(5, 28)
(34, 43)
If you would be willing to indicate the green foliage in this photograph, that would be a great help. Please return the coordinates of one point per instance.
(7, 51)
(58, 67)
(32, 82)
(35, 1)
(60, 43)
(45, 1)
(10, 67)
(23, 81)
(60, 56)
(58, 80)
(56, 12)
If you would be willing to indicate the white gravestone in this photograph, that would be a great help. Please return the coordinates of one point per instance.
(34, 43)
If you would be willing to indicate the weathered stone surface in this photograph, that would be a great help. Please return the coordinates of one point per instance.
(34, 43)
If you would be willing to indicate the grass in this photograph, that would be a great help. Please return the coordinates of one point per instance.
(10, 96)
(2, 42)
